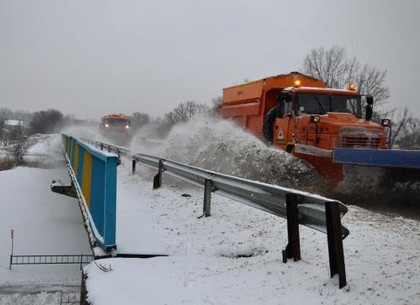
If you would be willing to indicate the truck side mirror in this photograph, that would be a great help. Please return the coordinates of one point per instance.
(369, 112)
(369, 107)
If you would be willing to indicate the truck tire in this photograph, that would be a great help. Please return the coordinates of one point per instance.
(269, 118)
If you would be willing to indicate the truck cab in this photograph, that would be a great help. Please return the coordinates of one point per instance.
(321, 118)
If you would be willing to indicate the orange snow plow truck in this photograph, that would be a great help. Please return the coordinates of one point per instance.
(323, 126)
(115, 125)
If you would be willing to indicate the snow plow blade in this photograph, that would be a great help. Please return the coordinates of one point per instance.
(378, 157)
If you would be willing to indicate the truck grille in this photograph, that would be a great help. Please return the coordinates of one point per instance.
(358, 142)
(358, 137)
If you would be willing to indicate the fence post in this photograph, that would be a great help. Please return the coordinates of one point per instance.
(293, 246)
(12, 237)
(157, 180)
(335, 242)
(207, 197)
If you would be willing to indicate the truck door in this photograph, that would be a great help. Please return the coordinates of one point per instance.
(282, 127)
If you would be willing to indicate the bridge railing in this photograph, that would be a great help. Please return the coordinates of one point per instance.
(317, 212)
(94, 174)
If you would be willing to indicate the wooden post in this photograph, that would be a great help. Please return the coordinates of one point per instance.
(133, 167)
(207, 197)
(293, 246)
(335, 242)
(157, 180)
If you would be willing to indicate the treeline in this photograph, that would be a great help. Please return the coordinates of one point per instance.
(405, 132)
(53, 121)
(45, 121)
(180, 114)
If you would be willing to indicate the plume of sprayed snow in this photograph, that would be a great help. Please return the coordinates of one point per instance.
(361, 178)
(221, 146)
(44, 144)
(85, 131)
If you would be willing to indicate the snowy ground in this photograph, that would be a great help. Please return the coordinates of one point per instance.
(208, 263)
(43, 223)
(232, 257)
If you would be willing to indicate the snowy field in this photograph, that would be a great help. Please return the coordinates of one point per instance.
(232, 257)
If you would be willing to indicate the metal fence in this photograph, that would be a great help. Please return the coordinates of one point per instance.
(60, 259)
(263, 196)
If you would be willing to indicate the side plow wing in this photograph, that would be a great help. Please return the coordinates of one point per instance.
(378, 157)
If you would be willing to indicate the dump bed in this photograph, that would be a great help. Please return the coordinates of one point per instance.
(253, 91)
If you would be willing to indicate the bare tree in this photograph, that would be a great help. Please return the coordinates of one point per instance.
(407, 132)
(337, 70)
(185, 111)
(49, 121)
(139, 119)
(215, 104)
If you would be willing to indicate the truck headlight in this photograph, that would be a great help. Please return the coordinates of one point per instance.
(314, 118)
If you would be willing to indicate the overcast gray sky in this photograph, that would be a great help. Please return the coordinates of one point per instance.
(91, 57)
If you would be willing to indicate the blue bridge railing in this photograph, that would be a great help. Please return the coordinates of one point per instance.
(94, 174)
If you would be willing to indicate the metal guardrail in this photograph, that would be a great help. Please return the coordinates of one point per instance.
(317, 212)
(263, 196)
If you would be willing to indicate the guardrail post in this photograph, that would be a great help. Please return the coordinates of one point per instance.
(207, 197)
(335, 242)
(133, 167)
(157, 180)
(293, 246)
(119, 156)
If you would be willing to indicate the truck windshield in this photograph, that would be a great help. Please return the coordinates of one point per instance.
(117, 122)
(322, 103)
